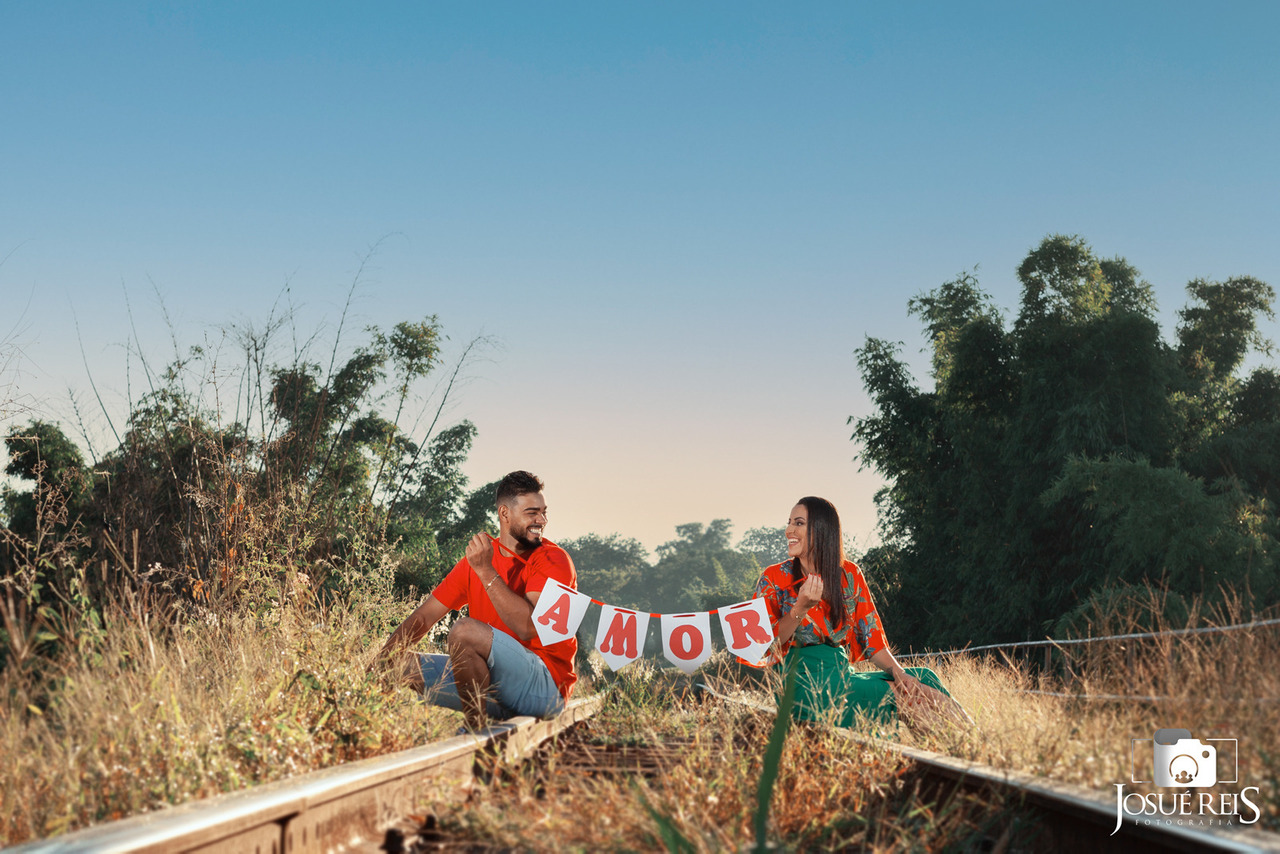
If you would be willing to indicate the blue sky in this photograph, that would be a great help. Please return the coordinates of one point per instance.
(677, 220)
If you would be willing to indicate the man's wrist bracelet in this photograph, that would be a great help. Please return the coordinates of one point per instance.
(490, 584)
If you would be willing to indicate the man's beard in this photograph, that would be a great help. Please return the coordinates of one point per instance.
(523, 541)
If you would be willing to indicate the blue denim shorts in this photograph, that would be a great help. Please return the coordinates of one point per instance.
(519, 683)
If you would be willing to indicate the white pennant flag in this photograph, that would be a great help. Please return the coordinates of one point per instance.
(686, 639)
(747, 631)
(620, 637)
(559, 611)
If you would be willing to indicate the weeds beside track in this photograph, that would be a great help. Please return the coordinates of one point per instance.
(350, 807)
(659, 767)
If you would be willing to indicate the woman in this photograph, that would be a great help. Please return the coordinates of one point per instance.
(823, 620)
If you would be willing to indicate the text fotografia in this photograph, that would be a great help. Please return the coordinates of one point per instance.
(1181, 761)
(1185, 809)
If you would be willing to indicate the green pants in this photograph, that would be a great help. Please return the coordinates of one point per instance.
(829, 690)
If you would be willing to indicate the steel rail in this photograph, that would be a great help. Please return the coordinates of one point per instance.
(345, 808)
(1078, 818)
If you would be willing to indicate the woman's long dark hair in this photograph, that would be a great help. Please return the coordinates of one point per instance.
(826, 553)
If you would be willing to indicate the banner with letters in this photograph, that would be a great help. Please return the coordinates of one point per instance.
(686, 638)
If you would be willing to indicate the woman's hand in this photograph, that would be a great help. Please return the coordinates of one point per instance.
(916, 701)
(810, 592)
(907, 688)
(924, 707)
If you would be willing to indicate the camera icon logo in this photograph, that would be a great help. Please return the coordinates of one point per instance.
(1179, 760)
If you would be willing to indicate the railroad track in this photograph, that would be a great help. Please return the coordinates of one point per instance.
(1072, 818)
(368, 806)
(352, 807)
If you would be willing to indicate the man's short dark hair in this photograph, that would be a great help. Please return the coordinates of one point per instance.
(516, 484)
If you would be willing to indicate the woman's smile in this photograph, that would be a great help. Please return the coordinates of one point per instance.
(798, 532)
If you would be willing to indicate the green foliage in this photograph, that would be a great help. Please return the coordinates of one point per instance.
(1160, 525)
(42, 455)
(41, 442)
(669, 833)
(767, 545)
(1069, 453)
(329, 487)
(772, 758)
(696, 571)
(606, 565)
(432, 514)
(1221, 325)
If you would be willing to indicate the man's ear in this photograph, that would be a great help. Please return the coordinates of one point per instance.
(504, 514)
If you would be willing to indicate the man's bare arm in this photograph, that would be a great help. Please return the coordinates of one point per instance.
(413, 628)
(515, 610)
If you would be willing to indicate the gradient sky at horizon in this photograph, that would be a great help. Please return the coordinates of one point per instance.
(676, 221)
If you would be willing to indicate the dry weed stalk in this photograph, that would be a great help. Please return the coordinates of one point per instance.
(157, 713)
(831, 793)
(1219, 685)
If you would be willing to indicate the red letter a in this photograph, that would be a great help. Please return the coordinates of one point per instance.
(557, 616)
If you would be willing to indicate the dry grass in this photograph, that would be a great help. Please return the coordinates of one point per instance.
(1217, 686)
(703, 761)
(153, 714)
(137, 713)
(704, 758)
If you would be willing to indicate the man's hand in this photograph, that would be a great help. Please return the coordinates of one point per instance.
(480, 553)
(380, 663)
(396, 657)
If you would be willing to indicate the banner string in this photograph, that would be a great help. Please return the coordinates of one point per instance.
(502, 548)
(498, 545)
(506, 551)
(1011, 645)
(652, 613)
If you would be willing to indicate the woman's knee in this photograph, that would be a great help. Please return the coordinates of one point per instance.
(928, 678)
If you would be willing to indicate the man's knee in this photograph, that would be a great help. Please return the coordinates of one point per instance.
(470, 635)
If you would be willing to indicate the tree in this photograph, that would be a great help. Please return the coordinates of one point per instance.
(606, 565)
(43, 456)
(1071, 451)
(696, 571)
(433, 515)
(767, 545)
(330, 487)
(1221, 324)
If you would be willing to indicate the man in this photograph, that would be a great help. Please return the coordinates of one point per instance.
(496, 664)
